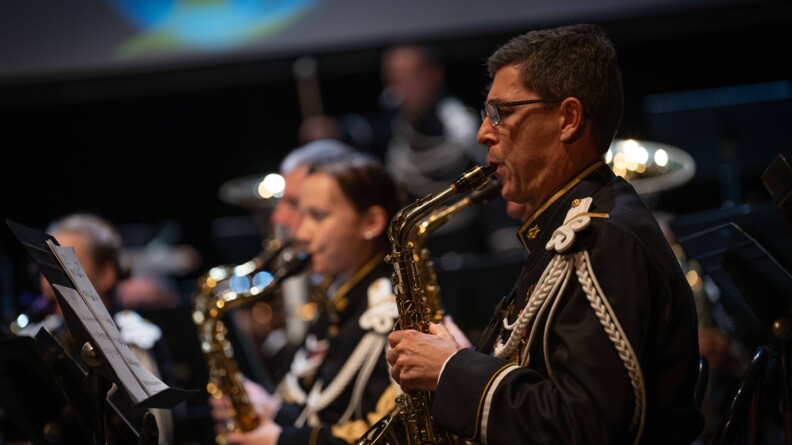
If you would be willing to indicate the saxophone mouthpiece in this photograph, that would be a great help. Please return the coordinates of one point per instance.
(475, 178)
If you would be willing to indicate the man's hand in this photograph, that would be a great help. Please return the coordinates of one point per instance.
(416, 358)
(265, 404)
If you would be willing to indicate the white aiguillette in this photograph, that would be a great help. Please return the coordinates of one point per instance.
(91, 325)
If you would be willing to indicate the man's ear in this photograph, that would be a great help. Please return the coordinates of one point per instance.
(573, 119)
(375, 221)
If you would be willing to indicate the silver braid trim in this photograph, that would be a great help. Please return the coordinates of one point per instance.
(551, 286)
(548, 285)
(612, 327)
(319, 399)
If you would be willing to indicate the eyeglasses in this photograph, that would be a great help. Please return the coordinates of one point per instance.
(492, 109)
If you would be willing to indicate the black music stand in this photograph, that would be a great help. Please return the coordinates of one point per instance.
(706, 241)
(108, 358)
(738, 263)
(761, 220)
(40, 391)
(32, 399)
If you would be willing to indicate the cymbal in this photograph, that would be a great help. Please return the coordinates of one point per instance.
(651, 167)
(255, 191)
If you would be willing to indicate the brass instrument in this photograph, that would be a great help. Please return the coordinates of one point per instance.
(426, 227)
(410, 279)
(224, 288)
(651, 167)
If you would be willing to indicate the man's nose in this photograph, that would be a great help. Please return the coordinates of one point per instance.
(486, 135)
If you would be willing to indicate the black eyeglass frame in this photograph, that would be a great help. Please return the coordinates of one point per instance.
(496, 107)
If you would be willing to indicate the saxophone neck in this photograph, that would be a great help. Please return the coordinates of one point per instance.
(404, 222)
(271, 249)
(437, 218)
(224, 288)
(444, 214)
(290, 263)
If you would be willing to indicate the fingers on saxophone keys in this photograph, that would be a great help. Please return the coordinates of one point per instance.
(392, 355)
(394, 338)
(395, 373)
(220, 408)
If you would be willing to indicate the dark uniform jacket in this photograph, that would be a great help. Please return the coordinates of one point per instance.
(588, 397)
(340, 328)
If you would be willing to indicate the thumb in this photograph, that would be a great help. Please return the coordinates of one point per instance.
(440, 331)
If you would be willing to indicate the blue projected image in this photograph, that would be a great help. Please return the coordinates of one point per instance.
(51, 39)
(203, 25)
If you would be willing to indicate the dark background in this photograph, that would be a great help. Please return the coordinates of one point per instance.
(154, 147)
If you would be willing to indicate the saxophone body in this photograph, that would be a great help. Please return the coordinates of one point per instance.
(224, 288)
(417, 299)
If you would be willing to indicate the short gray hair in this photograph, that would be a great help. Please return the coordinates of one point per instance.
(570, 61)
(104, 240)
(314, 151)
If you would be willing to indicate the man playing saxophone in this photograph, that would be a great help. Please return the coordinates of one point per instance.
(339, 375)
(597, 342)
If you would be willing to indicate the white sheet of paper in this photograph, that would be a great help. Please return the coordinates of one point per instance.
(138, 381)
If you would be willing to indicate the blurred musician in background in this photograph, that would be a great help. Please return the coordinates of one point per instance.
(429, 141)
(294, 168)
(98, 244)
(426, 137)
(430, 136)
(277, 342)
(339, 374)
(597, 342)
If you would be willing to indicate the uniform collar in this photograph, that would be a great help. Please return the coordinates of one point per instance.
(533, 233)
(338, 299)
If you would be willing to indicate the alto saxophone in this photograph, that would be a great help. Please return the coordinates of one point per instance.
(224, 288)
(425, 228)
(412, 413)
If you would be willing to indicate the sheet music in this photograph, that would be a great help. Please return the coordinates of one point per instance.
(140, 383)
(89, 321)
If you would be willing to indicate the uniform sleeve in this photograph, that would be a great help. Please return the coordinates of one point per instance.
(588, 397)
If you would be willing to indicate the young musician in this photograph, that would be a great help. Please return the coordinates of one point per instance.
(331, 392)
